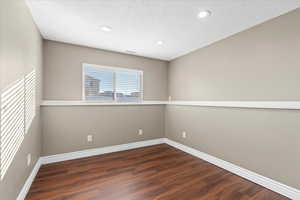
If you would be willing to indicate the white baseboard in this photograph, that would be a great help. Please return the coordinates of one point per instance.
(29, 181)
(99, 151)
(249, 175)
(81, 154)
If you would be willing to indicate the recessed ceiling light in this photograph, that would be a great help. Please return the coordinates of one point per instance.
(160, 43)
(106, 28)
(204, 14)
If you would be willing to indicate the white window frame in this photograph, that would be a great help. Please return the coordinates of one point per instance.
(114, 69)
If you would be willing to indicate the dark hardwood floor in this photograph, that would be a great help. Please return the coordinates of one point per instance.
(157, 172)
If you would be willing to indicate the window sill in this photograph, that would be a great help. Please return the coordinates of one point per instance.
(95, 103)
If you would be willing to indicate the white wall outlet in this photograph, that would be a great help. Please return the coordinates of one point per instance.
(28, 159)
(90, 138)
(170, 98)
(183, 134)
(140, 131)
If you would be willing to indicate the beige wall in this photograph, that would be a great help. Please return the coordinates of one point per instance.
(265, 141)
(258, 64)
(261, 63)
(21, 51)
(65, 129)
(63, 70)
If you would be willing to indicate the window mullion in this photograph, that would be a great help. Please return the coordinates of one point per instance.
(115, 86)
(141, 89)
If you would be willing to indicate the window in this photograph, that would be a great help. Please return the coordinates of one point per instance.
(17, 114)
(110, 84)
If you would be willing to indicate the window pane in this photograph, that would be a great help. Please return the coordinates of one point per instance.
(99, 84)
(128, 86)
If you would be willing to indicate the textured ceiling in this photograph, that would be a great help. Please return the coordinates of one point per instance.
(137, 25)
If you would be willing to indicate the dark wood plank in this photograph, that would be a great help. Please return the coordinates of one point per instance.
(157, 172)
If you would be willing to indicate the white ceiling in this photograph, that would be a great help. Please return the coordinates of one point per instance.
(137, 25)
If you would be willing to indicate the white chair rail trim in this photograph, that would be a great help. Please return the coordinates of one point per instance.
(96, 103)
(294, 105)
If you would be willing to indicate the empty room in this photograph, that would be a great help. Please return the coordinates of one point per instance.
(150, 99)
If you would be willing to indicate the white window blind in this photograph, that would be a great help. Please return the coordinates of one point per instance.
(110, 84)
(17, 113)
(128, 86)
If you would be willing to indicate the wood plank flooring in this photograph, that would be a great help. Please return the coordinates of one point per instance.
(157, 172)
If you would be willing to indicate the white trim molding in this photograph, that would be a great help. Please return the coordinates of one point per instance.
(241, 104)
(29, 181)
(292, 105)
(249, 175)
(96, 103)
(99, 151)
(81, 154)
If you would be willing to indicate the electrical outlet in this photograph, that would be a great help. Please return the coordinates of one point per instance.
(90, 138)
(170, 98)
(140, 131)
(28, 159)
(183, 134)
